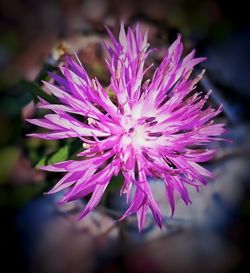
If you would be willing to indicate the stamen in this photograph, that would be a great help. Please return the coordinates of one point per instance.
(153, 123)
(150, 119)
(170, 163)
(85, 145)
(156, 134)
(155, 173)
(150, 159)
(145, 84)
(90, 121)
(121, 109)
(131, 130)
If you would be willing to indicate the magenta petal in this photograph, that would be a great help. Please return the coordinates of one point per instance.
(98, 192)
(141, 216)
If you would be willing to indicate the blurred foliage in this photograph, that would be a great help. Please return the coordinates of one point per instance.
(36, 91)
(8, 158)
(11, 41)
(13, 101)
(15, 197)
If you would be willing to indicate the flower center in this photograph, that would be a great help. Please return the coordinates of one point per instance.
(139, 132)
(138, 136)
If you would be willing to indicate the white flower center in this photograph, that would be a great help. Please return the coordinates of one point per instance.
(139, 132)
(137, 136)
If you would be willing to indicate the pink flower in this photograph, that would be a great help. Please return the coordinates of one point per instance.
(156, 128)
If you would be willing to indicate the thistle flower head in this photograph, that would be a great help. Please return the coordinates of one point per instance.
(156, 127)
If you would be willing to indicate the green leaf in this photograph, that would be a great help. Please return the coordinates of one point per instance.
(66, 152)
(36, 91)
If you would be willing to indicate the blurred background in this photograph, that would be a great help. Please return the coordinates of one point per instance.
(38, 236)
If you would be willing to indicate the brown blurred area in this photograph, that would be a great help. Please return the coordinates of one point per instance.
(37, 26)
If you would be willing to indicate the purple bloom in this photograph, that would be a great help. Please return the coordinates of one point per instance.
(153, 128)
